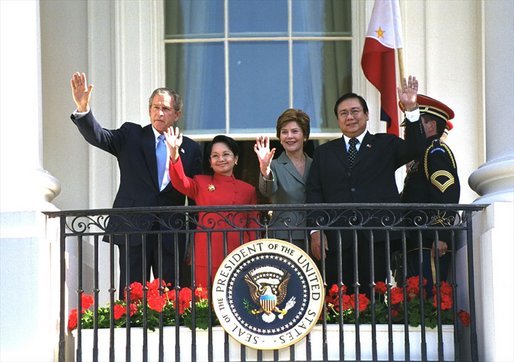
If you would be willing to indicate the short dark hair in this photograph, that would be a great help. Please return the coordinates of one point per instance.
(230, 142)
(346, 96)
(177, 99)
(440, 123)
(294, 115)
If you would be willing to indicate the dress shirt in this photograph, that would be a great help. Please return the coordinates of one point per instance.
(166, 178)
(359, 138)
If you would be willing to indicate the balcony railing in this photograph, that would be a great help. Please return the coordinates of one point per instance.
(81, 243)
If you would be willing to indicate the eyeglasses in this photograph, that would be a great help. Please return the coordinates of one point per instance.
(354, 112)
(225, 155)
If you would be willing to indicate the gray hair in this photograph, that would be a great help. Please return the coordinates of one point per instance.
(177, 99)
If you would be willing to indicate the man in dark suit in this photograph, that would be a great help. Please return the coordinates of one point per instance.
(144, 182)
(433, 179)
(360, 173)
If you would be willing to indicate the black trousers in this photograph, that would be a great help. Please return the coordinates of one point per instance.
(363, 264)
(132, 264)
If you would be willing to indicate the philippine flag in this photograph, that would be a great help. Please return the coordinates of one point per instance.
(378, 57)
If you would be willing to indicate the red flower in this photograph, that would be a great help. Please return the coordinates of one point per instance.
(133, 309)
(363, 302)
(411, 292)
(413, 286)
(156, 302)
(72, 319)
(170, 294)
(446, 302)
(464, 317)
(119, 311)
(332, 296)
(446, 289)
(414, 280)
(334, 290)
(185, 296)
(347, 302)
(396, 295)
(201, 293)
(136, 292)
(380, 287)
(158, 297)
(154, 285)
(87, 301)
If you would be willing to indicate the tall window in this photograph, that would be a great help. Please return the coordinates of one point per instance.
(240, 63)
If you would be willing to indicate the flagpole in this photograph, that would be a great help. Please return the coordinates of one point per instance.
(400, 64)
(399, 52)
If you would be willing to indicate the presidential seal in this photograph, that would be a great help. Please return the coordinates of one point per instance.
(268, 294)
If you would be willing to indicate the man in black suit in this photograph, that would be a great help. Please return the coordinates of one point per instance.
(365, 174)
(135, 148)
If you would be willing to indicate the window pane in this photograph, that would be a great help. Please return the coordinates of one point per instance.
(322, 71)
(258, 72)
(259, 87)
(257, 17)
(196, 71)
(193, 19)
(322, 17)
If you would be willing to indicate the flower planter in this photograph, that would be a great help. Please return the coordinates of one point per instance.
(284, 354)
(136, 339)
(382, 336)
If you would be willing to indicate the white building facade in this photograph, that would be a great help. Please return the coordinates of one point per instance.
(462, 51)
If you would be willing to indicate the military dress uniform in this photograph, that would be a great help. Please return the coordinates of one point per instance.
(431, 179)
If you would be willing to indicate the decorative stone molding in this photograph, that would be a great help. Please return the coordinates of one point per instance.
(494, 181)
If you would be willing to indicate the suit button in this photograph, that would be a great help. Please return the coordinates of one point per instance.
(352, 189)
(349, 174)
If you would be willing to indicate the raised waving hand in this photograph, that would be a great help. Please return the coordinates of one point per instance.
(264, 155)
(173, 141)
(81, 91)
(408, 93)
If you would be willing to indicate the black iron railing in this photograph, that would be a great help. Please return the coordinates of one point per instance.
(83, 233)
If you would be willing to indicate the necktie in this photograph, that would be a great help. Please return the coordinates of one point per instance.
(160, 152)
(352, 150)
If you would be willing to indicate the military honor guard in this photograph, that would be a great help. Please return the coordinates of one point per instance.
(432, 179)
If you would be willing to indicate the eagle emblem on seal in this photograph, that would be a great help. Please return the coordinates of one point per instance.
(268, 289)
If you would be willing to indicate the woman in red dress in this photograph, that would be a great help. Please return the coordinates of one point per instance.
(222, 188)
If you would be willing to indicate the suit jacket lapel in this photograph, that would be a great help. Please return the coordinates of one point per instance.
(341, 152)
(365, 148)
(148, 144)
(289, 167)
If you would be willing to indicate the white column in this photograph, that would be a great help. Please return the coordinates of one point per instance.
(25, 185)
(27, 298)
(494, 180)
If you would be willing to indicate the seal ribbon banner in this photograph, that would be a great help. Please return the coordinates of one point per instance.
(268, 294)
